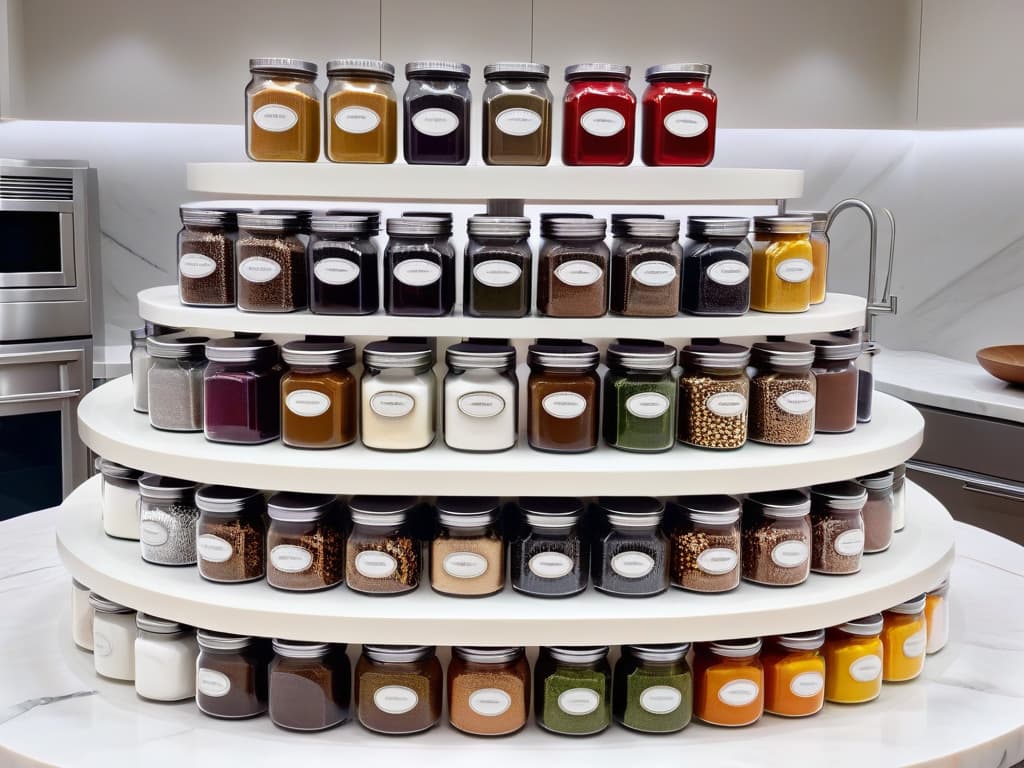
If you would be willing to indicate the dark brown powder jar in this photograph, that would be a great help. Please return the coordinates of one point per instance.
(836, 380)
(231, 675)
(271, 263)
(206, 257)
(230, 534)
(399, 689)
(564, 397)
(572, 270)
(310, 685)
(305, 542)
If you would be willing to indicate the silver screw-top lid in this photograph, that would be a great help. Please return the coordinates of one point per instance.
(843, 495)
(819, 219)
(573, 228)
(469, 355)
(618, 228)
(208, 218)
(641, 357)
(112, 469)
(226, 500)
(158, 626)
(161, 488)
(578, 654)
(498, 226)
(222, 641)
(802, 641)
(422, 226)
(783, 225)
(479, 655)
(673, 71)
(175, 346)
(725, 356)
(551, 512)
(565, 215)
(270, 222)
(468, 511)
(879, 481)
(779, 503)
(101, 604)
(241, 350)
(566, 356)
(397, 354)
(294, 66)
(343, 225)
(372, 67)
(398, 653)
(319, 354)
(912, 606)
(783, 354)
(717, 509)
(699, 227)
(868, 626)
(631, 511)
(295, 649)
(443, 69)
(299, 507)
(736, 649)
(654, 229)
(835, 349)
(525, 70)
(381, 510)
(372, 217)
(598, 71)
(665, 652)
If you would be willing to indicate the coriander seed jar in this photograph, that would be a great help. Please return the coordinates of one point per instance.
(383, 553)
(517, 114)
(361, 111)
(704, 543)
(398, 396)
(165, 659)
(680, 115)
(282, 106)
(271, 263)
(242, 391)
(776, 538)
(231, 675)
(714, 393)
(599, 115)
(206, 257)
(113, 639)
(716, 266)
(419, 267)
(782, 264)
(782, 393)
(436, 108)
(481, 397)
(168, 515)
(629, 556)
(563, 398)
(640, 397)
(231, 535)
(572, 269)
(343, 254)
(573, 690)
(319, 395)
(175, 382)
(645, 269)
(467, 555)
(550, 555)
(497, 279)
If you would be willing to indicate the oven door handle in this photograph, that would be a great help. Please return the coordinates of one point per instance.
(38, 397)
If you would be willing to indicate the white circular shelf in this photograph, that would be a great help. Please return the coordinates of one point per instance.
(839, 312)
(467, 183)
(110, 427)
(918, 558)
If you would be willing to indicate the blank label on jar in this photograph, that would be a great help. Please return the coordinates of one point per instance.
(632, 565)
(481, 405)
(210, 682)
(290, 559)
(727, 404)
(661, 699)
(579, 701)
(335, 271)
(728, 272)
(392, 405)
(100, 644)
(564, 405)
(395, 699)
(490, 702)
(790, 554)
(914, 645)
(794, 270)
(356, 119)
(648, 405)
(807, 685)
(550, 565)
(602, 122)
(518, 121)
(435, 121)
(275, 118)
(258, 269)
(153, 534)
(738, 693)
(196, 265)
(796, 402)
(685, 123)
(306, 402)
(213, 549)
(717, 561)
(654, 274)
(464, 565)
(578, 273)
(849, 543)
(417, 272)
(375, 565)
(866, 669)
(497, 273)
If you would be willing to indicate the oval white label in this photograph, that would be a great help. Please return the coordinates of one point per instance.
(647, 405)
(717, 561)
(356, 119)
(196, 265)
(100, 644)
(564, 405)
(849, 543)
(210, 682)
(153, 534)
(602, 122)
(632, 565)
(518, 121)
(728, 272)
(392, 405)
(395, 699)
(866, 669)
(335, 271)
(490, 702)
(738, 693)
(550, 565)
(790, 554)
(686, 123)
(578, 273)
(654, 274)
(914, 645)
(794, 270)
(464, 565)
(306, 402)
(806, 685)
(257, 269)
(727, 404)
(375, 565)
(290, 559)
(417, 272)
(796, 402)
(213, 549)
(481, 405)
(661, 699)
(579, 701)
(275, 118)
(497, 273)
(435, 121)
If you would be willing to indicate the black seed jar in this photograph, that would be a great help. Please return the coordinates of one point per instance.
(630, 557)
(344, 278)
(550, 557)
(716, 266)
(419, 267)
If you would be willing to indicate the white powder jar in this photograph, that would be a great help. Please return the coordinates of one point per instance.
(120, 500)
(81, 616)
(398, 397)
(165, 659)
(113, 639)
(481, 395)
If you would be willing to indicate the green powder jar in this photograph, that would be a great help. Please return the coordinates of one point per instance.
(654, 688)
(573, 690)
(640, 397)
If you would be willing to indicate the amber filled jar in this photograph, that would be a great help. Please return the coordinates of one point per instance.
(713, 394)
(819, 253)
(572, 269)
(282, 105)
(361, 111)
(319, 395)
(305, 542)
(271, 263)
(230, 534)
(782, 393)
(563, 410)
(645, 269)
(382, 556)
(781, 266)
(310, 685)
(467, 556)
(729, 682)
(488, 690)
(206, 257)
(794, 674)
(704, 543)
(777, 538)
(231, 675)
(399, 688)
(517, 114)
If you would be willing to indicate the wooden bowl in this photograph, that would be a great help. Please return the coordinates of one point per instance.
(1006, 362)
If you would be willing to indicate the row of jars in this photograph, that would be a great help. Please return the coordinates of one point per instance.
(275, 261)
(625, 546)
(360, 113)
(399, 689)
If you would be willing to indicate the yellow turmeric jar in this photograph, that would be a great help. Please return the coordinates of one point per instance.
(904, 641)
(794, 674)
(819, 253)
(282, 105)
(361, 112)
(853, 661)
(782, 264)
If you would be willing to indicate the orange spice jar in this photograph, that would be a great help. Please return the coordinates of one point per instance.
(794, 674)
(282, 111)
(904, 641)
(729, 682)
(319, 395)
(853, 661)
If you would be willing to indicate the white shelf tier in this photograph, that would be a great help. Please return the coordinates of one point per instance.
(553, 183)
(839, 312)
(920, 556)
(113, 430)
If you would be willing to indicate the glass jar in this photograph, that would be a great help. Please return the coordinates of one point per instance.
(714, 392)
(282, 111)
(343, 258)
(242, 390)
(419, 267)
(140, 362)
(361, 112)
(319, 395)
(497, 279)
(437, 113)
(729, 682)
(716, 266)
(630, 551)
(704, 543)
(819, 253)
(175, 381)
(904, 640)
(936, 612)
(82, 616)
(305, 542)
(231, 534)
(794, 674)
(309, 685)
(168, 515)
(781, 264)
(853, 661)
(488, 690)
(398, 397)
(645, 269)
(835, 378)
(599, 115)
(113, 639)
(165, 659)
(517, 114)
(878, 511)
(481, 397)
(382, 555)
(120, 500)
(653, 688)
(776, 538)
(616, 223)
(680, 115)
(640, 397)
(837, 527)
(573, 690)
(782, 393)
(866, 381)
(231, 675)
(549, 555)
(399, 689)
(271, 263)
(206, 257)
(572, 269)
(467, 556)
(564, 394)
(899, 497)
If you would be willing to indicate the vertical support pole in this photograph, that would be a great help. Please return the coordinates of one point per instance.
(502, 206)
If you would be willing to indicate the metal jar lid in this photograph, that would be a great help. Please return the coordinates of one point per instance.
(208, 218)
(544, 217)
(227, 500)
(654, 229)
(421, 226)
(160, 488)
(631, 511)
(780, 504)
(241, 350)
(598, 71)
(498, 226)
(819, 219)
(715, 355)
(802, 641)
(712, 509)
(783, 225)
(829, 349)
(587, 654)
(911, 607)
(879, 481)
(469, 355)
(342, 225)
(381, 510)
(673, 71)
(698, 227)
(290, 507)
(479, 655)
(899, 472)
(666, 652)
(397, 354)
(468, 511)
(319, 354)
(453, 70)
(373, 67)
(574, 229)
(736, 649)
(174, 346)
(844, 495)
(119, 471)
(783, 354)
(868, 626)
(295, 66)
(101, 604)
(270, 222)
(641, 357)
(551, 512)
(398, 653)
(618, 227)
(222, 641)
(158, 626)
(517, 70)
(372, 218)
(295, 649)
(565, 356)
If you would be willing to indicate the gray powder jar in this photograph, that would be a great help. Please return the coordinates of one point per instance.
(168, 515)
(175, 382)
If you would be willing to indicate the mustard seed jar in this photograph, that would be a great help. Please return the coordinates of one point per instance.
(704, 543)
(837, 527)
(714, 392)
(782, 393)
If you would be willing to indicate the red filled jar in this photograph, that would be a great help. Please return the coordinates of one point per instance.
(680, 115)
(600, 115)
